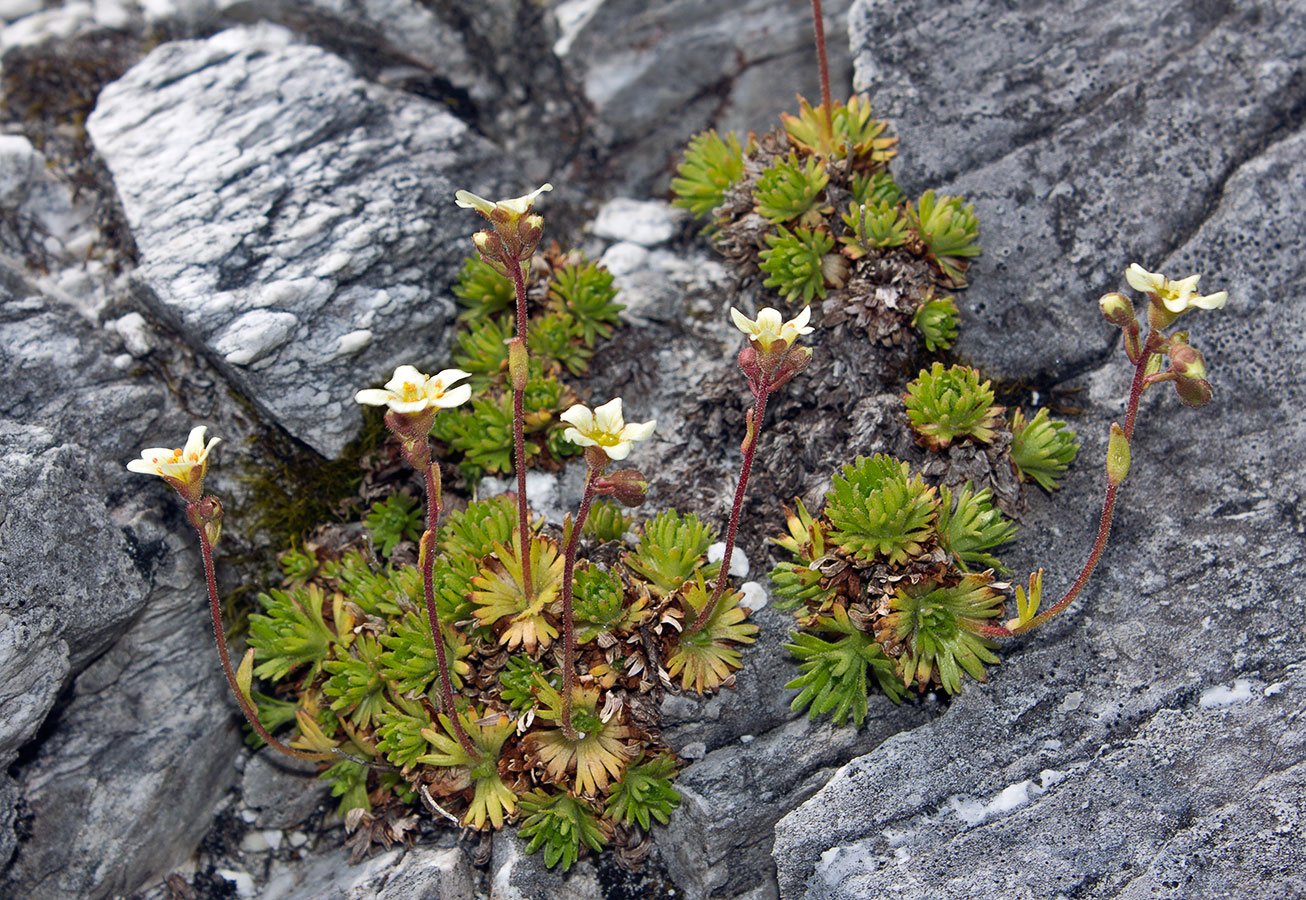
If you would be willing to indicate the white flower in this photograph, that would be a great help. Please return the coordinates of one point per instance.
(1176, 296)
(182, 468)
(409, 391)
(605, 428)
(769, 327)
(516, 206)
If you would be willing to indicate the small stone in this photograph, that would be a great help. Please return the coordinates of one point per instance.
(623, 258)
(738, 559)
(643, 222)
(755, 596)
(243, 882)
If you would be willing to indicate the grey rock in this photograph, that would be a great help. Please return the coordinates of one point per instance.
(1087, 134)
(644, 222)
(418, 873)
(38, 220)
(517, 875)
(9, 798)
(292, 218)
(282, 792)
(657, 73)
(102, 617)
(718, 844)
(1139, 745)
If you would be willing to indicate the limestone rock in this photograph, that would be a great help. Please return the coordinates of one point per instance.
(292, 219)
(658, 73)
(1089, 135)
(517, 875)
(1150, 721)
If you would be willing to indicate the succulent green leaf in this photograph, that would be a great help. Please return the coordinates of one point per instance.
(1042, 448)
(397, 518)
(794, 262)
(877, 510)
(789, 189)
(945, 405)
(671, 549)
(969, 525)
(710, 166)
(560, 825)
(937, 320)
(644, 793)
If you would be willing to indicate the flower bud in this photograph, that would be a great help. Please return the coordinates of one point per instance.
(1194, 392)
(627, 486)
(518, 364)
(206, 515)
(795, 361)
(1117, 456)
(1187, 362)
(1117, 309)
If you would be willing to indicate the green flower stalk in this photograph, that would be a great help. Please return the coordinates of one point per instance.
(606, 437)
(413, 400)
(508, 249)
(769, 361)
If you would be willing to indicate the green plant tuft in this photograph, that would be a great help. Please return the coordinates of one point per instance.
(290, 633)
(871, 227)
(937, 320)
(874, 188)
(935, 628)
(945, 405)
(607, 521)
(849, 133)
(560, 825)
(970, 525)
(876, 509)
(586, 293)
(705, 658)
(671, 549)
(834, 672)
(397, 518)
(482, 292)
(788, 190)
(948, 228)
(1042, 448)
(710, 166)
(795, 262)
(644, 793)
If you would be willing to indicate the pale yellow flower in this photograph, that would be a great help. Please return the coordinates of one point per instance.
(1176, 296)
(182, 468)
(409, 391)
(605, 428)
(770, 326)
(516, 206)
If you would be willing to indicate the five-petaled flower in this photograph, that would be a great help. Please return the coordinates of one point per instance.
(770, 328)
(182, 468)
(605, 428)
(410, 392)
(517, 206)
(1176, 296)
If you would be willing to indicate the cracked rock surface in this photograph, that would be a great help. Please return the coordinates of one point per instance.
(292, 219)
(1149, 744)
(285, 173)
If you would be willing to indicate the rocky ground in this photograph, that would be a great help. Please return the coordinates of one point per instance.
(239, 212)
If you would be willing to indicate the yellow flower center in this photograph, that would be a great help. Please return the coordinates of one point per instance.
(409, 392)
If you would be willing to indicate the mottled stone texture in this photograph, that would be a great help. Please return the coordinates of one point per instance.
(1088, 135)
(292, 218)
(1148, 744)
(103, 640)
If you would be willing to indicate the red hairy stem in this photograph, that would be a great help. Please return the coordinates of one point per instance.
(568, 627)
(518, 433)
(818, 23)
(759, 411)
(1136, 389)
(432, 614)
(251, 714)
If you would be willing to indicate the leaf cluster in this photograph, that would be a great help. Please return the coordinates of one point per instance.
(789, 189)
(711, 165)
(795, 262)
(948, 404)
(1042, 448)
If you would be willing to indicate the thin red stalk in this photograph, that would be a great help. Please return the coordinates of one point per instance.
(432, 614)
(519, 436)
(251, 714)
(818, 22)
(736, 509)
(1136, 389)
(568, 626)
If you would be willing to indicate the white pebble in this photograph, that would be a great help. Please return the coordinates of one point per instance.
(738, 559)
(755, 596)
(243, 882)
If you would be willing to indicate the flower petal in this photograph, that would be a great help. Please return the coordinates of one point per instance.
(194, 442)
(1142, 280)
(608, 418)
(456, 397)
(468, 200)
(447, 377)
(580, 416)
(373, 397)
(618, 451)
(143, 466)
(639, 431)
(742, 322)
(405, 374)
(800, 321)
(1211, 301)
(579, 439)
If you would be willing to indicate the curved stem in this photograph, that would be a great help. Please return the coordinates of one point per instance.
(732, 530)
(519, 435)
(568, 626)
(251, 714)
(1136, 389)
(432, 614)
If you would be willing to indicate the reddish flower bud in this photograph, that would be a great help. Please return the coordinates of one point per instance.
(627, 486)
